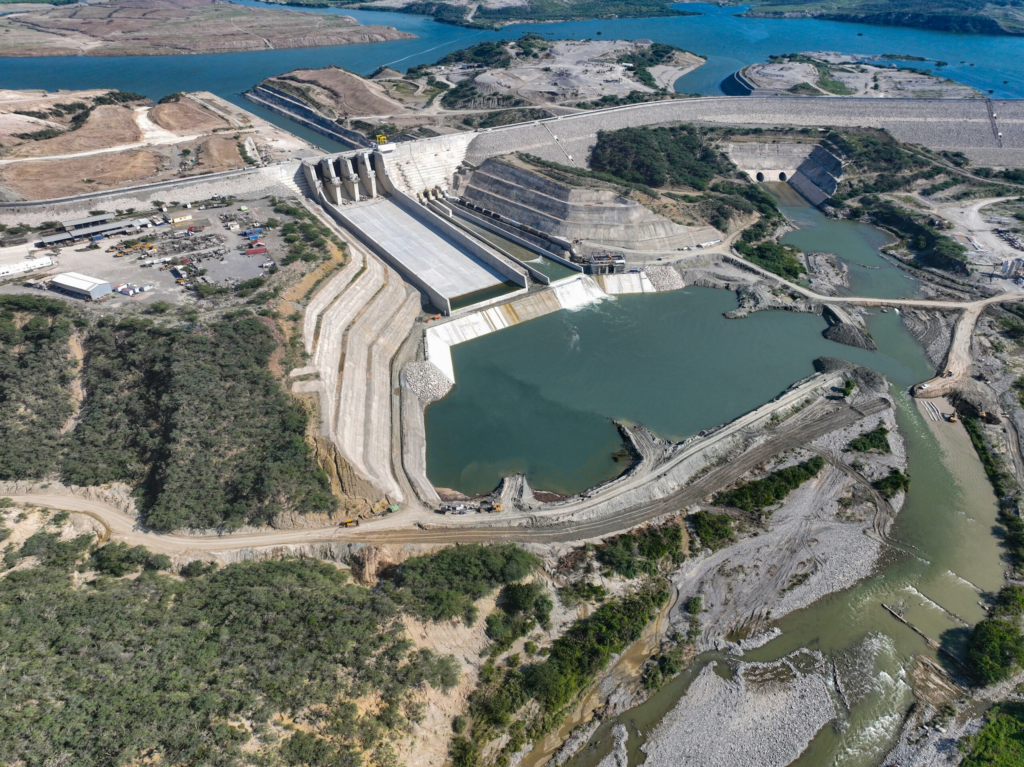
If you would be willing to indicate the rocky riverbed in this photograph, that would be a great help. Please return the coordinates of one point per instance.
(764, 716)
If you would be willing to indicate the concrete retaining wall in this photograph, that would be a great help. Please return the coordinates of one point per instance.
(438, 339)
(448, 213)
(483, 221)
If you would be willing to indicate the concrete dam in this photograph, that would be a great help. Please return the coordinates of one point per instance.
(445, 263)
(989, 132)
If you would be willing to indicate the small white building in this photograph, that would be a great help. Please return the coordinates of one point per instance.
(80, 285)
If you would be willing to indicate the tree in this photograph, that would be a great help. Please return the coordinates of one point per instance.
(994, 650)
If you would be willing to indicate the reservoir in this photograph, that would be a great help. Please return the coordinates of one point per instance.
(539, 397)
(989, 63)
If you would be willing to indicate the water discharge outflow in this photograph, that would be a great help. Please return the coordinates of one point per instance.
(948, 519)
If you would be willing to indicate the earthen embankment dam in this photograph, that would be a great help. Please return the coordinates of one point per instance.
(989, 132)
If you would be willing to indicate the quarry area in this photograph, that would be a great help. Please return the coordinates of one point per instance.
(298, 311)
(172, 27)
(74, 142)
(488, 85)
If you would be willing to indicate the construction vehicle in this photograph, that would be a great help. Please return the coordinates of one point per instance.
(498, 507)
(350, 523)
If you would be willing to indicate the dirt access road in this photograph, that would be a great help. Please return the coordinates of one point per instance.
(958, 358)
(411, 527)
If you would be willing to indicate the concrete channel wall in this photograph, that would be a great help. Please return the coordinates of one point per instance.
(287, 106)
(444, 212)
(338, 214)
(483, 222)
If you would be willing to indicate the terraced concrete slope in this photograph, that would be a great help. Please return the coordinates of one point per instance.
(352, 330)
(572, 213)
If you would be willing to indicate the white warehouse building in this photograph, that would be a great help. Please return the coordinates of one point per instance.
(80, 285)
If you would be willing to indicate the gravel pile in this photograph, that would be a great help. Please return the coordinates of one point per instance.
(664, 278)
(426, 381)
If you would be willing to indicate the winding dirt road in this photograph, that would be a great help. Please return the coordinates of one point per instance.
(414, 529)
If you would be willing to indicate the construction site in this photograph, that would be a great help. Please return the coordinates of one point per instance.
(446, 240)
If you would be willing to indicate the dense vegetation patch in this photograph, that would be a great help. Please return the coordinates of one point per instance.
(995, 650)
(643, 551)
(714, 530)
(876, 439)
(555, 10)
(756, 495)
(1000, 742)
(572, 663)
(191, 671)
(776, 258)
(521, 607)
(36, 371)
(641, 59)
(931, 246)
(444, 585)
(193, 418)
(306, 236)
(1000, 480)
(681, 155)
(894, 482)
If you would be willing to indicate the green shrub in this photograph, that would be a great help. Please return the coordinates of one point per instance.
(444, 585)
(52, 551)
(758, 494)
(119, 559)
(1000, 742)
(640, 552)
(775, 258)
(581, 591)
(659, 156)
(895, 482)
(714, 530)
(131, 667)
(193, 418)
(995, 649)
(876, 439)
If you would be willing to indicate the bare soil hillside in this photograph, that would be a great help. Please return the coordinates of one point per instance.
(185, 117)
(167, 27)
(107, 126)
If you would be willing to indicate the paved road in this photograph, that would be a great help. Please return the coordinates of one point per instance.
(122, 527)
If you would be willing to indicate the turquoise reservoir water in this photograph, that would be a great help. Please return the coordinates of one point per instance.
(539, 397)
(728, 41)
